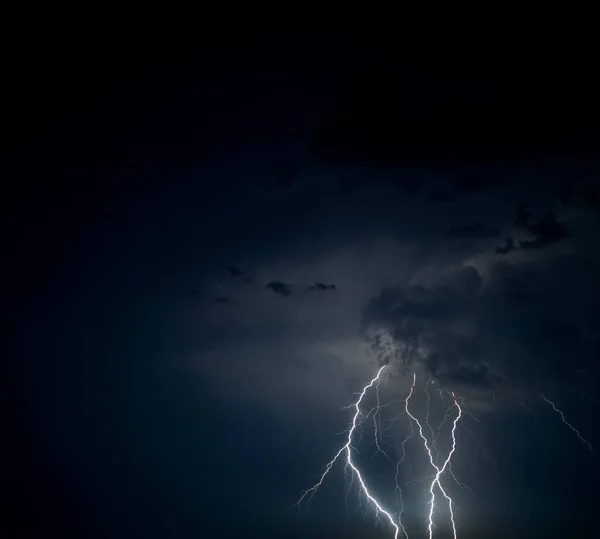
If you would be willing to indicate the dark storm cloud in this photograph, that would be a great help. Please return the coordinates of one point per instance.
(320, 287)
(524, 328)
(474, 231)
(423, 318)
(280, 288)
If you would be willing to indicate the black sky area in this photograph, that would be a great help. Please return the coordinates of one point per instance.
(215, 233)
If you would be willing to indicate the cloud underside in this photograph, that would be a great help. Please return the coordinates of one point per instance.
(529, 325)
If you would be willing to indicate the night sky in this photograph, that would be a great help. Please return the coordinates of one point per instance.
(216, 235)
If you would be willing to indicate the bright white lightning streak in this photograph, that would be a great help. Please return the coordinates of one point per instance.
(348, 449)
(562, 416)
(439, 471)
(434, 437)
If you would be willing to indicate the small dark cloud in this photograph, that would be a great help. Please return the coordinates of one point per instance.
(247, 280)
(223, 299)
(321, 287)
(235, 272)
(280, 288)
(508, 246)
(547, 231)
(474, 231)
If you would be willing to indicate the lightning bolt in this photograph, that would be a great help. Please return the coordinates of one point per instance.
(440, 465)
(436, 433)
(562, 416)
(439, 470)
(347, 449)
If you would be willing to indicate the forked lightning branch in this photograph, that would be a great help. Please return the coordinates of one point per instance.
(441, 467)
